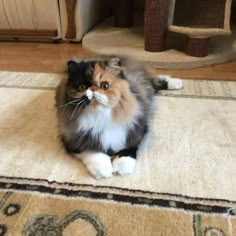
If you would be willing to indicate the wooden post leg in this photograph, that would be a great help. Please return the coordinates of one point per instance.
(71, 28)
(197, 47)
(155, 25)
(123, 13)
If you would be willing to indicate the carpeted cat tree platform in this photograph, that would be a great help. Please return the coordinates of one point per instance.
(193, 34)
(200, 20)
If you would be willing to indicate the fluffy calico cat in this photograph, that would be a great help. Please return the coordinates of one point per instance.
(103, 110)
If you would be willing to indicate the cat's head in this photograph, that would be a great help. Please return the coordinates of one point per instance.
(97, 83)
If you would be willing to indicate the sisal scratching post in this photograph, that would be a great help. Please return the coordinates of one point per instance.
(197, 47)
(155, 25)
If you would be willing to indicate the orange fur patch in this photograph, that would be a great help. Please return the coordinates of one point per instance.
(123, 103)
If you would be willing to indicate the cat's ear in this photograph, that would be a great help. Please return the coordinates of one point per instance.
(114, 62)
(72, 66)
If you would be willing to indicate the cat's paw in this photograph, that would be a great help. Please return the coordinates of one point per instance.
(124, 165)
(173, 83)
(98, 164)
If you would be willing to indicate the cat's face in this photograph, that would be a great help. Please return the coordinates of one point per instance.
(95, 84)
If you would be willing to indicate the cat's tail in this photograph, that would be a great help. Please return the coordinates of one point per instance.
(164, 82)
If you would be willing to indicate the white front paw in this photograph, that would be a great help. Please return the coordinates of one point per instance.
(124, 165)
(173, 83)
(98, 164)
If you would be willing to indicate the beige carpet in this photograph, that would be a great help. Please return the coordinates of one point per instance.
(184, 183)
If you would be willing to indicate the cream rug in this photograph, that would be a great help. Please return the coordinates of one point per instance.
(184, 183)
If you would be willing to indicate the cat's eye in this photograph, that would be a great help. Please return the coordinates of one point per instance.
(81, 88)
(105, 85)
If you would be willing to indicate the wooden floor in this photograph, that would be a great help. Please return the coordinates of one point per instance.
(49, 57)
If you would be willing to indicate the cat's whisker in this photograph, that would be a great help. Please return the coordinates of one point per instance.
(80, 104)
(138, 94)
(72, 102)
(74, 111)
(74, 97)
(81, 107)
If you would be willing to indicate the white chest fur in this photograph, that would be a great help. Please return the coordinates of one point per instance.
(100, 125)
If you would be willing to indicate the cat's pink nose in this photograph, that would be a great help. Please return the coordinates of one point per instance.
(93, 88)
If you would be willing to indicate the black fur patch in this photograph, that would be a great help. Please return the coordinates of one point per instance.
(161, 85)
(132, 152)
(81, 142)
(79, 73)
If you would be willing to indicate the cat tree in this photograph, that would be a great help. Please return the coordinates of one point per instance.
(176, 28)
(197, 19)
